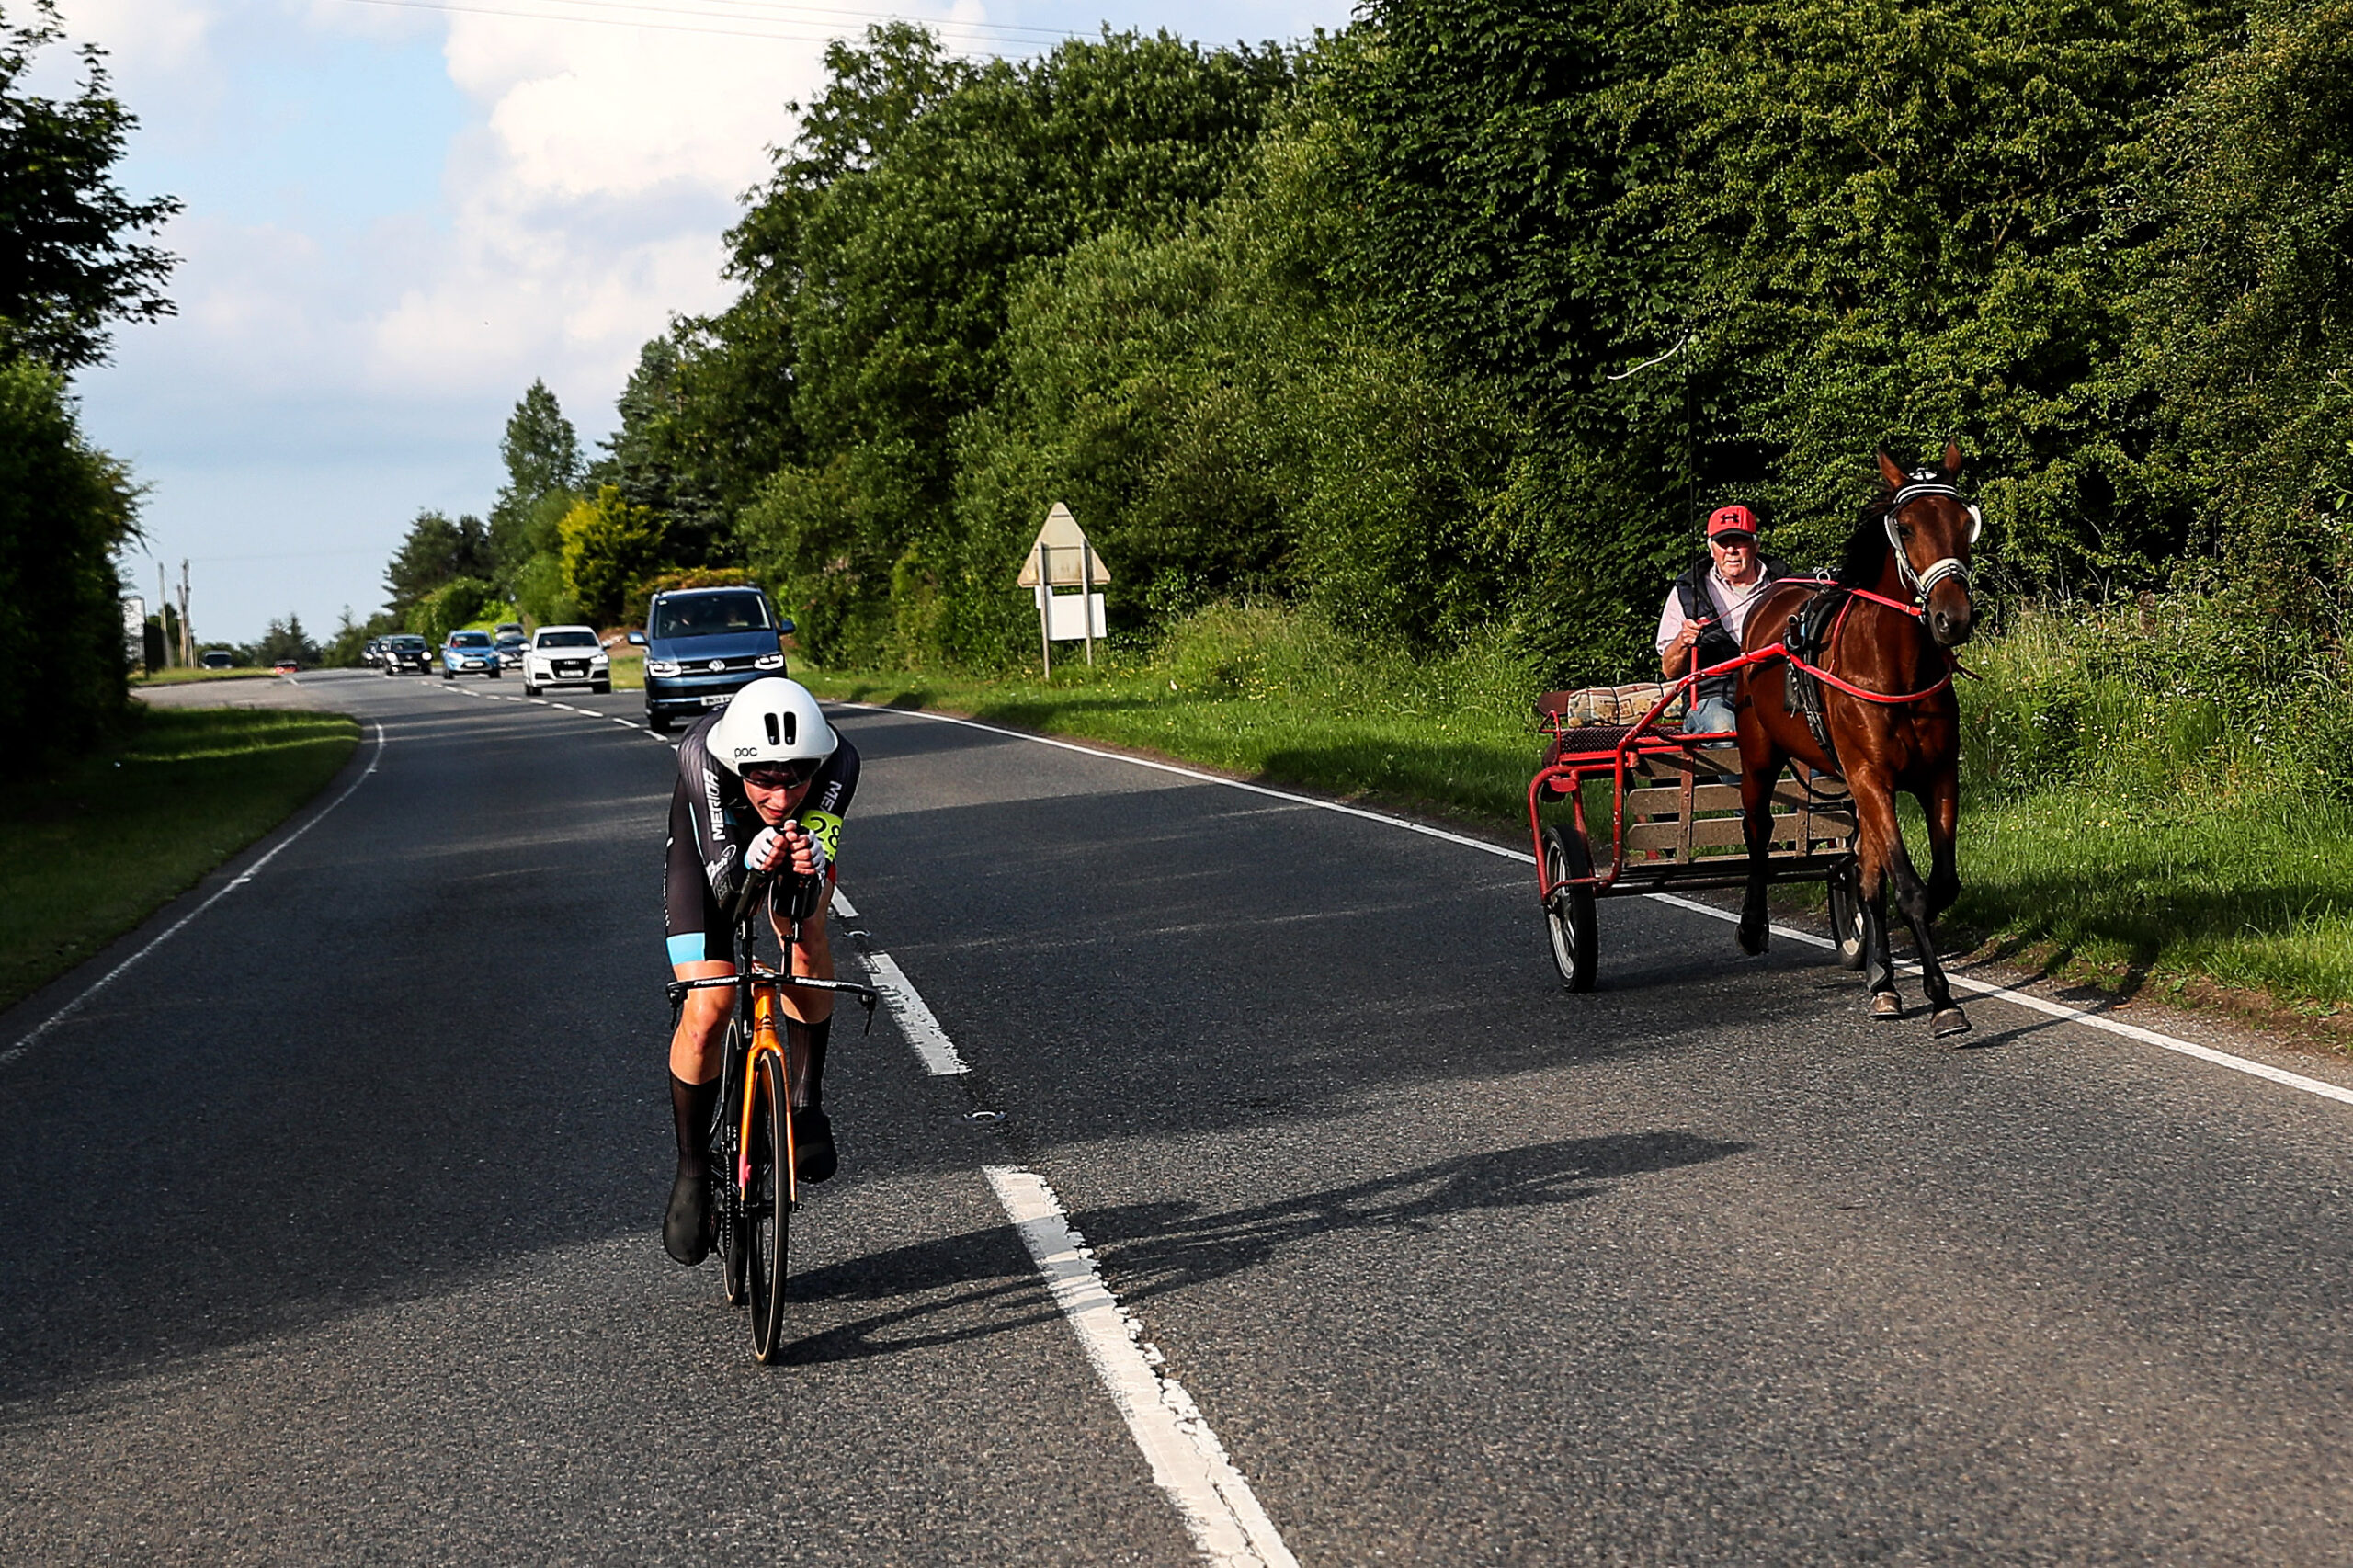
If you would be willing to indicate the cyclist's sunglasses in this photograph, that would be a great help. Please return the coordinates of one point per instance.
(786, 776)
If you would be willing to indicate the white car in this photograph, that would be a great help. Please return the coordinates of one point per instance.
(566, 655)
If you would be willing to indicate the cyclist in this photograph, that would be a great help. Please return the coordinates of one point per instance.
(762, 789)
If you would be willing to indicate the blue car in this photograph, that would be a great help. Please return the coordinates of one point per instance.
(702, 646)
(469, 653)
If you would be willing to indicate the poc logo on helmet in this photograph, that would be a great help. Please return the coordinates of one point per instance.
(743, 752)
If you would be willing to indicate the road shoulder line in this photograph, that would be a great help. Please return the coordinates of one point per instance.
(9, 1057)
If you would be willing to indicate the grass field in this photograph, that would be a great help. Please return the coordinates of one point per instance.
(87, 853)
(2120, 838)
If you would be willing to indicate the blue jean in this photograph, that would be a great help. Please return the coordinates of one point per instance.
(1708, 716)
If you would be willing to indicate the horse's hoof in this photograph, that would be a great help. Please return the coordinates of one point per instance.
(1949, 1020)
(1755, 942)
(1886, 1005)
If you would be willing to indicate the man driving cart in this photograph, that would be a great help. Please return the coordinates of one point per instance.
(1705, 610)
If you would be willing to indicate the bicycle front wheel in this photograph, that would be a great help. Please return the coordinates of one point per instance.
(767, 1204)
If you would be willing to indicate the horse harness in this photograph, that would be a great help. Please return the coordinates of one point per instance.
(1813, 632)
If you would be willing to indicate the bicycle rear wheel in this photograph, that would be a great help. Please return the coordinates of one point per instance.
(767, 1204)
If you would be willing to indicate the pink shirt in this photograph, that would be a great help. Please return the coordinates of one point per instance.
(1731, 606)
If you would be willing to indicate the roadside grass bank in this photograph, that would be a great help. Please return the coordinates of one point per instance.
(2145, 810)
(89, 850)
(184, 676)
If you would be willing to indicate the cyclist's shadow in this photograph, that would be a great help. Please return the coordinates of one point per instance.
(1149, 1248)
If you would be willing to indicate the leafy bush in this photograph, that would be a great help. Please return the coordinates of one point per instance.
(609, 545)
(456, 603)
(65, 509)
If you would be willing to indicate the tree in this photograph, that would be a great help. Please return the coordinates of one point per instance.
(541, 453)
(285, 640)
(434, 551)
(73, 263)
(608, 546)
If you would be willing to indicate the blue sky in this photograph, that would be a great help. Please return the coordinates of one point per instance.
(398, 216)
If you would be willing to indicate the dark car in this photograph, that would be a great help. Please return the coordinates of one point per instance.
(702, 646)
(404, 652)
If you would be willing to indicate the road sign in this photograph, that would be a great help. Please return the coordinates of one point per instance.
(1067, 559)
(1061, 557)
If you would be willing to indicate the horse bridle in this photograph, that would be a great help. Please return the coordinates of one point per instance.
(1925, 481)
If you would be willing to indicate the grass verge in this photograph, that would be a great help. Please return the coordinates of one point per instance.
(184, 676)
(88, 852)
(2151, 857)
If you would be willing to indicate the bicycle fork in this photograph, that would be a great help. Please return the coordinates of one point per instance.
(768, 1035)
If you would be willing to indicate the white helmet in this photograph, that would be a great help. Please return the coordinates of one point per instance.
(771, 721)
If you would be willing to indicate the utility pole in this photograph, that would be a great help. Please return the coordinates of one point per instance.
(187, 642)
(163, 621)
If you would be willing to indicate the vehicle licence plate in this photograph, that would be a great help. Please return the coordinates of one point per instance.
(717, 701)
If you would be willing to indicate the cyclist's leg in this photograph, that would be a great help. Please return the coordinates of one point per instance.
(699, 949)
(809, 1027)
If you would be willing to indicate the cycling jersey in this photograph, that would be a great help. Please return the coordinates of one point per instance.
(710, 823)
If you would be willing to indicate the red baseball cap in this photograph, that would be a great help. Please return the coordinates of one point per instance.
(1731, 522)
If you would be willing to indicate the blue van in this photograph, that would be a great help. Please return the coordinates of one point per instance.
(702, 646)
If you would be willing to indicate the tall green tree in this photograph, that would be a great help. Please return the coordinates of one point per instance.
(435, 551)
(541, 451)
(75, 260)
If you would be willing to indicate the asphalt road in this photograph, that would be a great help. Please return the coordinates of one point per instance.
(333, 1223)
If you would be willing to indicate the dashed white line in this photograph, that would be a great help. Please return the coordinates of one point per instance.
(1977, 987)
(9, 1056)
(923, 1031)
(1187, 1462)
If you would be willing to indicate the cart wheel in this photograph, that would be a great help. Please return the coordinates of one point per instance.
(1847, 917)
(1568, 919)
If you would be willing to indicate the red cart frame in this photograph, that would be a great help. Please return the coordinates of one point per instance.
(1673, 826)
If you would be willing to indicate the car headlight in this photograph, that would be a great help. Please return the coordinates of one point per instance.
(768, 662)
(661, 667)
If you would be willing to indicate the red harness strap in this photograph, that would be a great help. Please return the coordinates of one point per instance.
(1849, 687)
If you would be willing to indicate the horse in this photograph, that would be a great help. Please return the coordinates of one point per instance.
(1877, 639)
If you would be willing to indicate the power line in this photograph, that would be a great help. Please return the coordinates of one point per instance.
(825, 36)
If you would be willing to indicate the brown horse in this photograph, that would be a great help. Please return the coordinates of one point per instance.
(1909, 558)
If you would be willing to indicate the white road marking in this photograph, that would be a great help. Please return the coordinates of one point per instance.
(9, 1056)
(1977, 987)
(842, 902)
(2060, 1010)
(906, 1004)
(1187, 1462)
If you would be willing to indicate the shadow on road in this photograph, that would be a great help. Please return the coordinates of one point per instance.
(1151, 1249)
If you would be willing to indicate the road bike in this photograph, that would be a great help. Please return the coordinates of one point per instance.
(754, 1172)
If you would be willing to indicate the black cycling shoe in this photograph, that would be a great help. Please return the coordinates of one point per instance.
(813, 1146)
(686, 1230)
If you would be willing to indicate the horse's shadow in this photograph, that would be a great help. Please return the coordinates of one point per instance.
(1149, 1249)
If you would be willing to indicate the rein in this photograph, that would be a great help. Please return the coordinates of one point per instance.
(1917, 612)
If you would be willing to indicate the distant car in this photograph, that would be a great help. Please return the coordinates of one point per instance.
(510, 649)
(405, 651)
(506, 629)
(368, 652)
(470, 653)
(219, 659)
(285, 667)
(566, 655)
(702, 646)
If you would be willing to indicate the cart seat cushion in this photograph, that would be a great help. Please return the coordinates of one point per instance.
(1601, 705)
